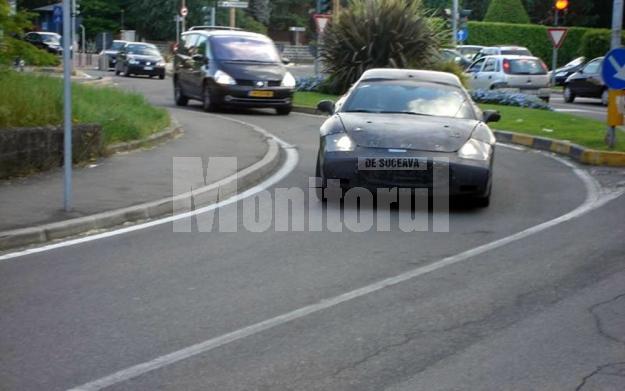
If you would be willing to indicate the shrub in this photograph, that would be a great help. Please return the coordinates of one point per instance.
(596, 43)
(30, 54)
(312, 83)
(534, 37)
(451, 67)
(509, 99)
(507, 11)
(378, 34)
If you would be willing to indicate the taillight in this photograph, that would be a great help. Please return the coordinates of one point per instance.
(542, 63)
(506, 66)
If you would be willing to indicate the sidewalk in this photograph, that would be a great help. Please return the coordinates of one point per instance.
(130, 178)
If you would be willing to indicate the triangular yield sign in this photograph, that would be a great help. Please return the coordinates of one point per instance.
(557, 35)
(322, 21)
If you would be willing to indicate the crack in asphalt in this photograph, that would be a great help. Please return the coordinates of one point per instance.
(600, 326)
(619, 372)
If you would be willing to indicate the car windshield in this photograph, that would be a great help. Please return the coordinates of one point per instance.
(142, 50)
(526, 66)
(50, 38)
(233, 48)
(409, 97)
(117, 45)
(577, 62)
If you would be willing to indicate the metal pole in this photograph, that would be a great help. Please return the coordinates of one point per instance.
(316, 63)
(617, 27)
(184, 18)
(454, 23)
(233, 17)
(73, 31)
(67, 107)
(177, 19)
(213, 16)
(617, 23)
(554, 58)
(83, 44)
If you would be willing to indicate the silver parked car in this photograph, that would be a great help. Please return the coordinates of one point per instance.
(525, 74)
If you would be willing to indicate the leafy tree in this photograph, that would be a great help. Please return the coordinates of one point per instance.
(379, 34)
(506, 11)
(260, 10)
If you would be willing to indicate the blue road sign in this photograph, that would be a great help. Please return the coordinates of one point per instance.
(462, 34)
(57, 14)
(613, 69)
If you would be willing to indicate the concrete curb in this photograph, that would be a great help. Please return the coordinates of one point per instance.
(173, 130)
(206, 195)
(576, 152)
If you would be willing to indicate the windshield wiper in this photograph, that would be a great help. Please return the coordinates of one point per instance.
(360, 111)
(405, 112)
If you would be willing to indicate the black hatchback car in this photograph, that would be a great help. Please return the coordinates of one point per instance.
(137, 58)
(50, 42)
(587, 83)
(231, 68)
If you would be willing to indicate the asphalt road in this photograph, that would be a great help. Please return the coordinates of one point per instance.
(528, 294)
(584, 107)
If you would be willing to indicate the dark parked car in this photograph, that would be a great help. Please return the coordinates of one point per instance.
(587, 83)
(50, 42)
(231, 68)
(394, 119)
(449, 55)
(567, 70)
(137, 58)
(111, 53)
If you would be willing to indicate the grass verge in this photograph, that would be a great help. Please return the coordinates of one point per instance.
(36, 100)
(561, 126)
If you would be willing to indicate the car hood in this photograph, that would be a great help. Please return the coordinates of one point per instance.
(253, 71)
(146, 58)
(111, 52)
(406, 131)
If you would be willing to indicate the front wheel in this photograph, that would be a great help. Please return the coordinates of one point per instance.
(161, 77)
(179, 97)
(286, 110)
(605, 97)
(207, 103)
(569, 96)
(126, 72)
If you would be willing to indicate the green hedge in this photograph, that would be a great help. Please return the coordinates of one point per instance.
(507, 11)
(534, 37)
(31, 55)
(596, 43)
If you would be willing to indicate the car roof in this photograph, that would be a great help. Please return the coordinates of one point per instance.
(43, 33)
(141, 44)
(411, 74)
(228, 33)
(469, 46)
(511, 57)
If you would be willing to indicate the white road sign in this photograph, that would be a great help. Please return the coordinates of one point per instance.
(233, 4)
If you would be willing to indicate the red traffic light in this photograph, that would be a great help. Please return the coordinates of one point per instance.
(561, 5)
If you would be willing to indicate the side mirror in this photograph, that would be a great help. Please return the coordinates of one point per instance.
(200, 58)
(491, 116)
(326, 106)
(286, 61)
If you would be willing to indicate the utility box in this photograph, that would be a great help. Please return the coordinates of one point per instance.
(129, 35)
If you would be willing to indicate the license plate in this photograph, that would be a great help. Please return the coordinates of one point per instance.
(392, 163)
(261, 94)
(149, 68)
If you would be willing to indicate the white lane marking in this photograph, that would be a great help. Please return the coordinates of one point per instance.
(581, 111)
(292, 158)
(511, 146)
(594, 199)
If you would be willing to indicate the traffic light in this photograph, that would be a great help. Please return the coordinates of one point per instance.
(562, 5)
(324, 6)
(463, 18)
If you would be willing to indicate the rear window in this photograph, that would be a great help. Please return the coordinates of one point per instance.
(526, 66)
(518, 52)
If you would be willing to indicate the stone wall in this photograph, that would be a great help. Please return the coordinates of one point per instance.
(26, 150)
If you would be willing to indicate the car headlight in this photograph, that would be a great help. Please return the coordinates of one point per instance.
(475, 150)
(560, 74)
(224, 78)
(339, 142)
(160, 64)
(132, 61)
(288, 81)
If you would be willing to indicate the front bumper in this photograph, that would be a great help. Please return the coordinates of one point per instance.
(140, 70)
(237, 95)
(445, 172)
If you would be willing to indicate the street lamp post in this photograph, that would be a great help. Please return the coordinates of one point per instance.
(67, 106)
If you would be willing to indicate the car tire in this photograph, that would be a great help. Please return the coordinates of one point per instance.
(126, 72)
(117, 72)
(179, 97)
(482, 201)
(605, 97)
(569, 96)
(207, 103)
(161, 77)
(320, 189)
(286, 110)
